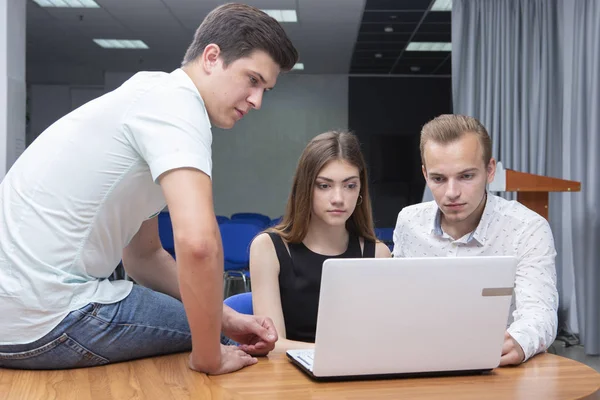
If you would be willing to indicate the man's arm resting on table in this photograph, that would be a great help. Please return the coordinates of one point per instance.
(148, 263)
(255, 334)
(200, 267)
(536, 296)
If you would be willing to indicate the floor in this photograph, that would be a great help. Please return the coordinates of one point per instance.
(577, 353)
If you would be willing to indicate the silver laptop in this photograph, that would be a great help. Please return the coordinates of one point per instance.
(407, 316)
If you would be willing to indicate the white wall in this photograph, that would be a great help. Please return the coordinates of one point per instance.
(253, 163)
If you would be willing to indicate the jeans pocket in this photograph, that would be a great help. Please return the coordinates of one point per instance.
(61, 353)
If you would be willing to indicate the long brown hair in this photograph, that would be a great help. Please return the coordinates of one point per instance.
(328, 146)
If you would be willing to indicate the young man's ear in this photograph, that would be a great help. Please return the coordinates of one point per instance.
(210, 57)
(491, 170)
(424, 170)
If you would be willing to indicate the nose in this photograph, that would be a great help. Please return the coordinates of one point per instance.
(255, 98)
(452, 189)
(337, 196)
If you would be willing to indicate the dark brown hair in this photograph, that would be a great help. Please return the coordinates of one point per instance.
(239, 30)
(328, 146)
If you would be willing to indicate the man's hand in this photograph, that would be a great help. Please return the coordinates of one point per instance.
(256, 335)
(512, 353)
(232, 359)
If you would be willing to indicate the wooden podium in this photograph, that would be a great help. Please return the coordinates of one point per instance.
(532, 190)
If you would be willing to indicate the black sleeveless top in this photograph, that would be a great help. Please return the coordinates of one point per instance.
(300, 283)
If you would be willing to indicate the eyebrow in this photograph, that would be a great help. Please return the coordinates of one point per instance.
(262, 79)
(460, 173)
(331, 180)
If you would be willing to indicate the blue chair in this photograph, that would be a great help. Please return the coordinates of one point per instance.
(165, 231)
(237, 236)
(386, 235)
(265, 220)
(221, 219)
(258, 222)
(276, 221)
(241, 302)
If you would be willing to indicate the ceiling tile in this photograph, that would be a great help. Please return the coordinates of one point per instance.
(438, 16)
(383, 37)
(392, 16)
(435, 28)
(431, 37)
(380, 27)
(397, 4)
(379, 46)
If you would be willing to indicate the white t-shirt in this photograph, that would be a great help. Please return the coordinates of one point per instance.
(79, 193)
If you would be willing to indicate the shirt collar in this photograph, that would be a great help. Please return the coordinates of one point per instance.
(479, 233)
(437, 223)
(181, 74)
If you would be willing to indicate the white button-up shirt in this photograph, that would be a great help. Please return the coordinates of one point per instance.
(506, 228)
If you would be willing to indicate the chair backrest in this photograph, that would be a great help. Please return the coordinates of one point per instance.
(241, 303)
(266, 221)
(276, 221)
(258, 222)
(165, 232)
(385, 234)
(237, 236)
(222, 219)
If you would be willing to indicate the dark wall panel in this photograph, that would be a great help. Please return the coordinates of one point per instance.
(387, 115)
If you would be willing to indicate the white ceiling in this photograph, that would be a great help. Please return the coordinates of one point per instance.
(60, 46)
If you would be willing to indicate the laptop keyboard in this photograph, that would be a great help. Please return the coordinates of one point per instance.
(306, 357)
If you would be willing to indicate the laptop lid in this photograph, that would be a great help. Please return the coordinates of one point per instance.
(412, 315)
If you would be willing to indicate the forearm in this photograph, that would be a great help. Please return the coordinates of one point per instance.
(227, 316)
(157, 271)
(201, 285)
(535, 333)
(536, 295)
(536, 312)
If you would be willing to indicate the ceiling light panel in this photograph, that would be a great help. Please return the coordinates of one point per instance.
(442, 5)
(67, 3)
(120, 44)
(429, 46)
(283, 15)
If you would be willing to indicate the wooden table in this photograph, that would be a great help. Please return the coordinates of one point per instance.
(544, 377)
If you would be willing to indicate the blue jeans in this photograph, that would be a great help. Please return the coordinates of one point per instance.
(146, 323)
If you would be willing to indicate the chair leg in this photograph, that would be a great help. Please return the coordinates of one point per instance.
(226, 284)
(244, 280)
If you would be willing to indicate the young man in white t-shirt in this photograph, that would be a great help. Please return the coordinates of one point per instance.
(85, 194)
(466, 220)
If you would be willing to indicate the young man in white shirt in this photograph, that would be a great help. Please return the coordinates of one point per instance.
(466, 220)
(84, 196)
